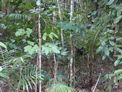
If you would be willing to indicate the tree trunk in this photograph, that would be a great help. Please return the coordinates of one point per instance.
(39, 61)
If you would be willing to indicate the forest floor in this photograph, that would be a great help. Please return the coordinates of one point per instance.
(85, 76)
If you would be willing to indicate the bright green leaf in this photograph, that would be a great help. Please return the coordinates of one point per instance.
(20, 32)
(110, 2)
(3, 45)
(117, 72)
(30, 43)
(117, 20)
(1, 68)
(28, 32)
(117, 62)
(38, 2)
(44, 37)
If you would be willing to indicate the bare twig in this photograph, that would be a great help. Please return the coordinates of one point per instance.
(96, 83)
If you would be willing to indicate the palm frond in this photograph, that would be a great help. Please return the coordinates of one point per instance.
(28, 78)
(60, 87)
(18, 16)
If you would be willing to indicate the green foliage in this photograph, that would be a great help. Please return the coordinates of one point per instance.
(38, 2)
(27, 78)
(17, 16)
(3, 45)
(50, 48)
(118, 74)
(70, 26)
(3, 73)
(118, 61)
(2, 26)
(110, 2)
(22, 32)
(51, 35)
(96, 26)
(110, 46)
(31, 49)
(59, 87)
(118, 19)
(21, 73)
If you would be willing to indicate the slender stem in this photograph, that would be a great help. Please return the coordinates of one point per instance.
(59, 9)
(71, 10)
(55, 68)
(71, 61)
(60, 16)
(71, 43)
(40, 45)
(96, 83)
(36, 76)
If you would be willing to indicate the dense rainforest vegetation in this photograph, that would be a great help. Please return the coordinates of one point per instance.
(60, 45)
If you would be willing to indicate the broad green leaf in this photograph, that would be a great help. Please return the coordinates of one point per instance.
(3, 45)
(103, 43)
(4, 75)
(103, 57)
(112, 43)
(110, 2)
(35, 48)
(50, 48)
(119, 38)
(27, 48)
(118, 19)
(44, 37)
(1, 68)
(30, 43)
(117, 72)
(55, 49)
(46, 49)
(3, 26)
(117, 62)
(38, 2)
(120, 77)
(106, 51)
(31, 49)
(20, 32)
(119, 57)
(28, 32)
(99, 49)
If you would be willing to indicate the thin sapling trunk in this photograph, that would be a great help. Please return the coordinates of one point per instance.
(71, 44)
